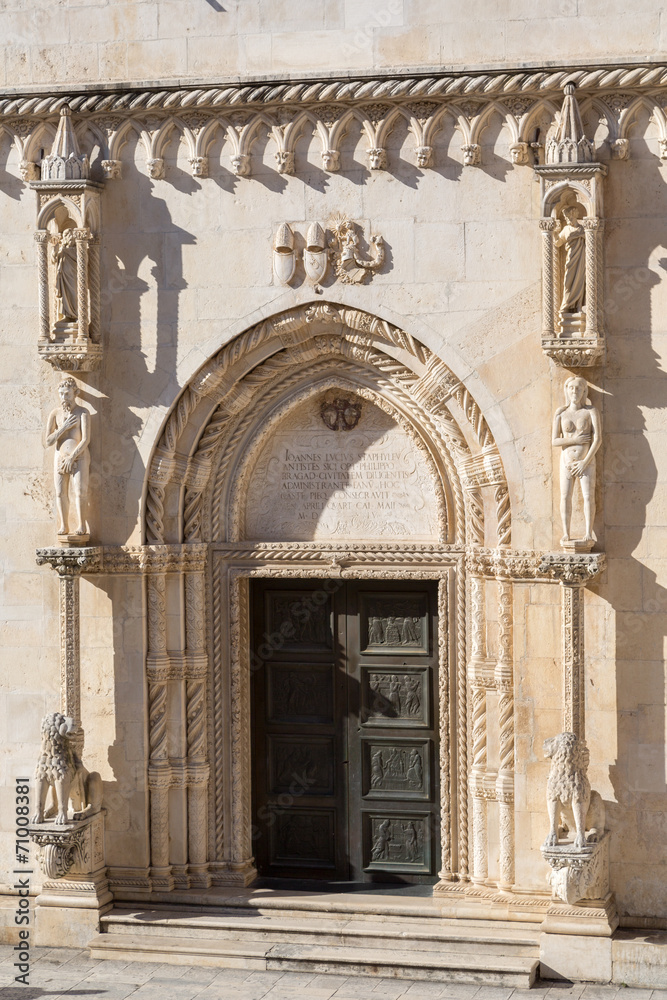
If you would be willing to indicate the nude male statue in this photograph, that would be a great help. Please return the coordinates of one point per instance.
(68, 428)
(577, 430)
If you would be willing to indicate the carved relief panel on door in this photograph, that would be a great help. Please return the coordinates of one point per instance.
(395, 697)
(396, 769)
(395, 624)
(397, 843)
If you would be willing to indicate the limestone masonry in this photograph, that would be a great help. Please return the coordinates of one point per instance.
(334, 485)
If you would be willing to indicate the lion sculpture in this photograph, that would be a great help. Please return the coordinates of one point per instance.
(569, 787)
(61, 772)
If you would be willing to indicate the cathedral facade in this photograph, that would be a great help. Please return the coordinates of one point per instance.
(335, 518)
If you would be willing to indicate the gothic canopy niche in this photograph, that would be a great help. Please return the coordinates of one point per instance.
(326, 425)
(572, 250)
(67, 239)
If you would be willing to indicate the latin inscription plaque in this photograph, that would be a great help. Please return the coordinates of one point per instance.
(369, 482)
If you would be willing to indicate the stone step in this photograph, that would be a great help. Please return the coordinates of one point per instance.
(322, 929)
(481, 967)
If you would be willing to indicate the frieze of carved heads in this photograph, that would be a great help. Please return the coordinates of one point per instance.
(68, 430)
(338, 245)
(573, 846)
(577, 431)
(67, 241)
(572, 250)
(64, 790)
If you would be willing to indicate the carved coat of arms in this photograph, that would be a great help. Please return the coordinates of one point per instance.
(348, 263)
(341, 414)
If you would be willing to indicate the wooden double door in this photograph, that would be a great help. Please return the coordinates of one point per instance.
(345, 722)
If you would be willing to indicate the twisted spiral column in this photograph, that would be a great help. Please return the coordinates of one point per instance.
(42, 241)
(82, 237)
(593, 236)
(159, 771)
(504, 678)
(548, 227)
(480, 853)
(94, 282)
(197, 737)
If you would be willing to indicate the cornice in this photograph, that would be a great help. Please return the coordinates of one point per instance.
(489, 84)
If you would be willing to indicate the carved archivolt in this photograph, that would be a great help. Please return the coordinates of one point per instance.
(231, 401)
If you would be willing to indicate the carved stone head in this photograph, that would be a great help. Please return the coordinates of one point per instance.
(112, 169)
(285, 161)
(424, 155)
(156, 168)
(377, 157)
(331, 159)
(241, 164)
(519, 152)
(576, 390)
(199, 166)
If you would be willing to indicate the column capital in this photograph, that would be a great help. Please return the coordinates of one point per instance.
(71, 561)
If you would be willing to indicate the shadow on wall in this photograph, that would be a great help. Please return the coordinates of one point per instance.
(142, 270)
(634, 383)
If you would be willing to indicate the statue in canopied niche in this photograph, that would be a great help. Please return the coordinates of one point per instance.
(63, 256)
(572, 238)
(577, 431)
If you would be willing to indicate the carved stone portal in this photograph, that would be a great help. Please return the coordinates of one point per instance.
(67, 239)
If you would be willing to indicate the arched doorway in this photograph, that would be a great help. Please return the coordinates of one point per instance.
(423, 453)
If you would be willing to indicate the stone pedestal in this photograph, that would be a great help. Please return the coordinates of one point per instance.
(75, 892)
(575, 942)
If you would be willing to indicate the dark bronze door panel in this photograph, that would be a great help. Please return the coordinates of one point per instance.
(344, 730)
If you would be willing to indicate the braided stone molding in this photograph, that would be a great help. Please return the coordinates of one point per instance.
(446, 832)
(498, 84)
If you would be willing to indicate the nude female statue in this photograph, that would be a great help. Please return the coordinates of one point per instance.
(68, 428)
(573, 238)
(577, 430)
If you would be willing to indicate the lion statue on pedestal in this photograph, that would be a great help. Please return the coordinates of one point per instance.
(569, 787)
(61, 772)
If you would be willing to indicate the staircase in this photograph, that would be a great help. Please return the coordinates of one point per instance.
(364, 937)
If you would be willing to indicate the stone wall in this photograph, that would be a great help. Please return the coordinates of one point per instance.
(186, 265)
(117, 41)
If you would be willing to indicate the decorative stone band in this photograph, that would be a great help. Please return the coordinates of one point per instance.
(177, 772)
(572, 569)
(496, 85)
(71, 561)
